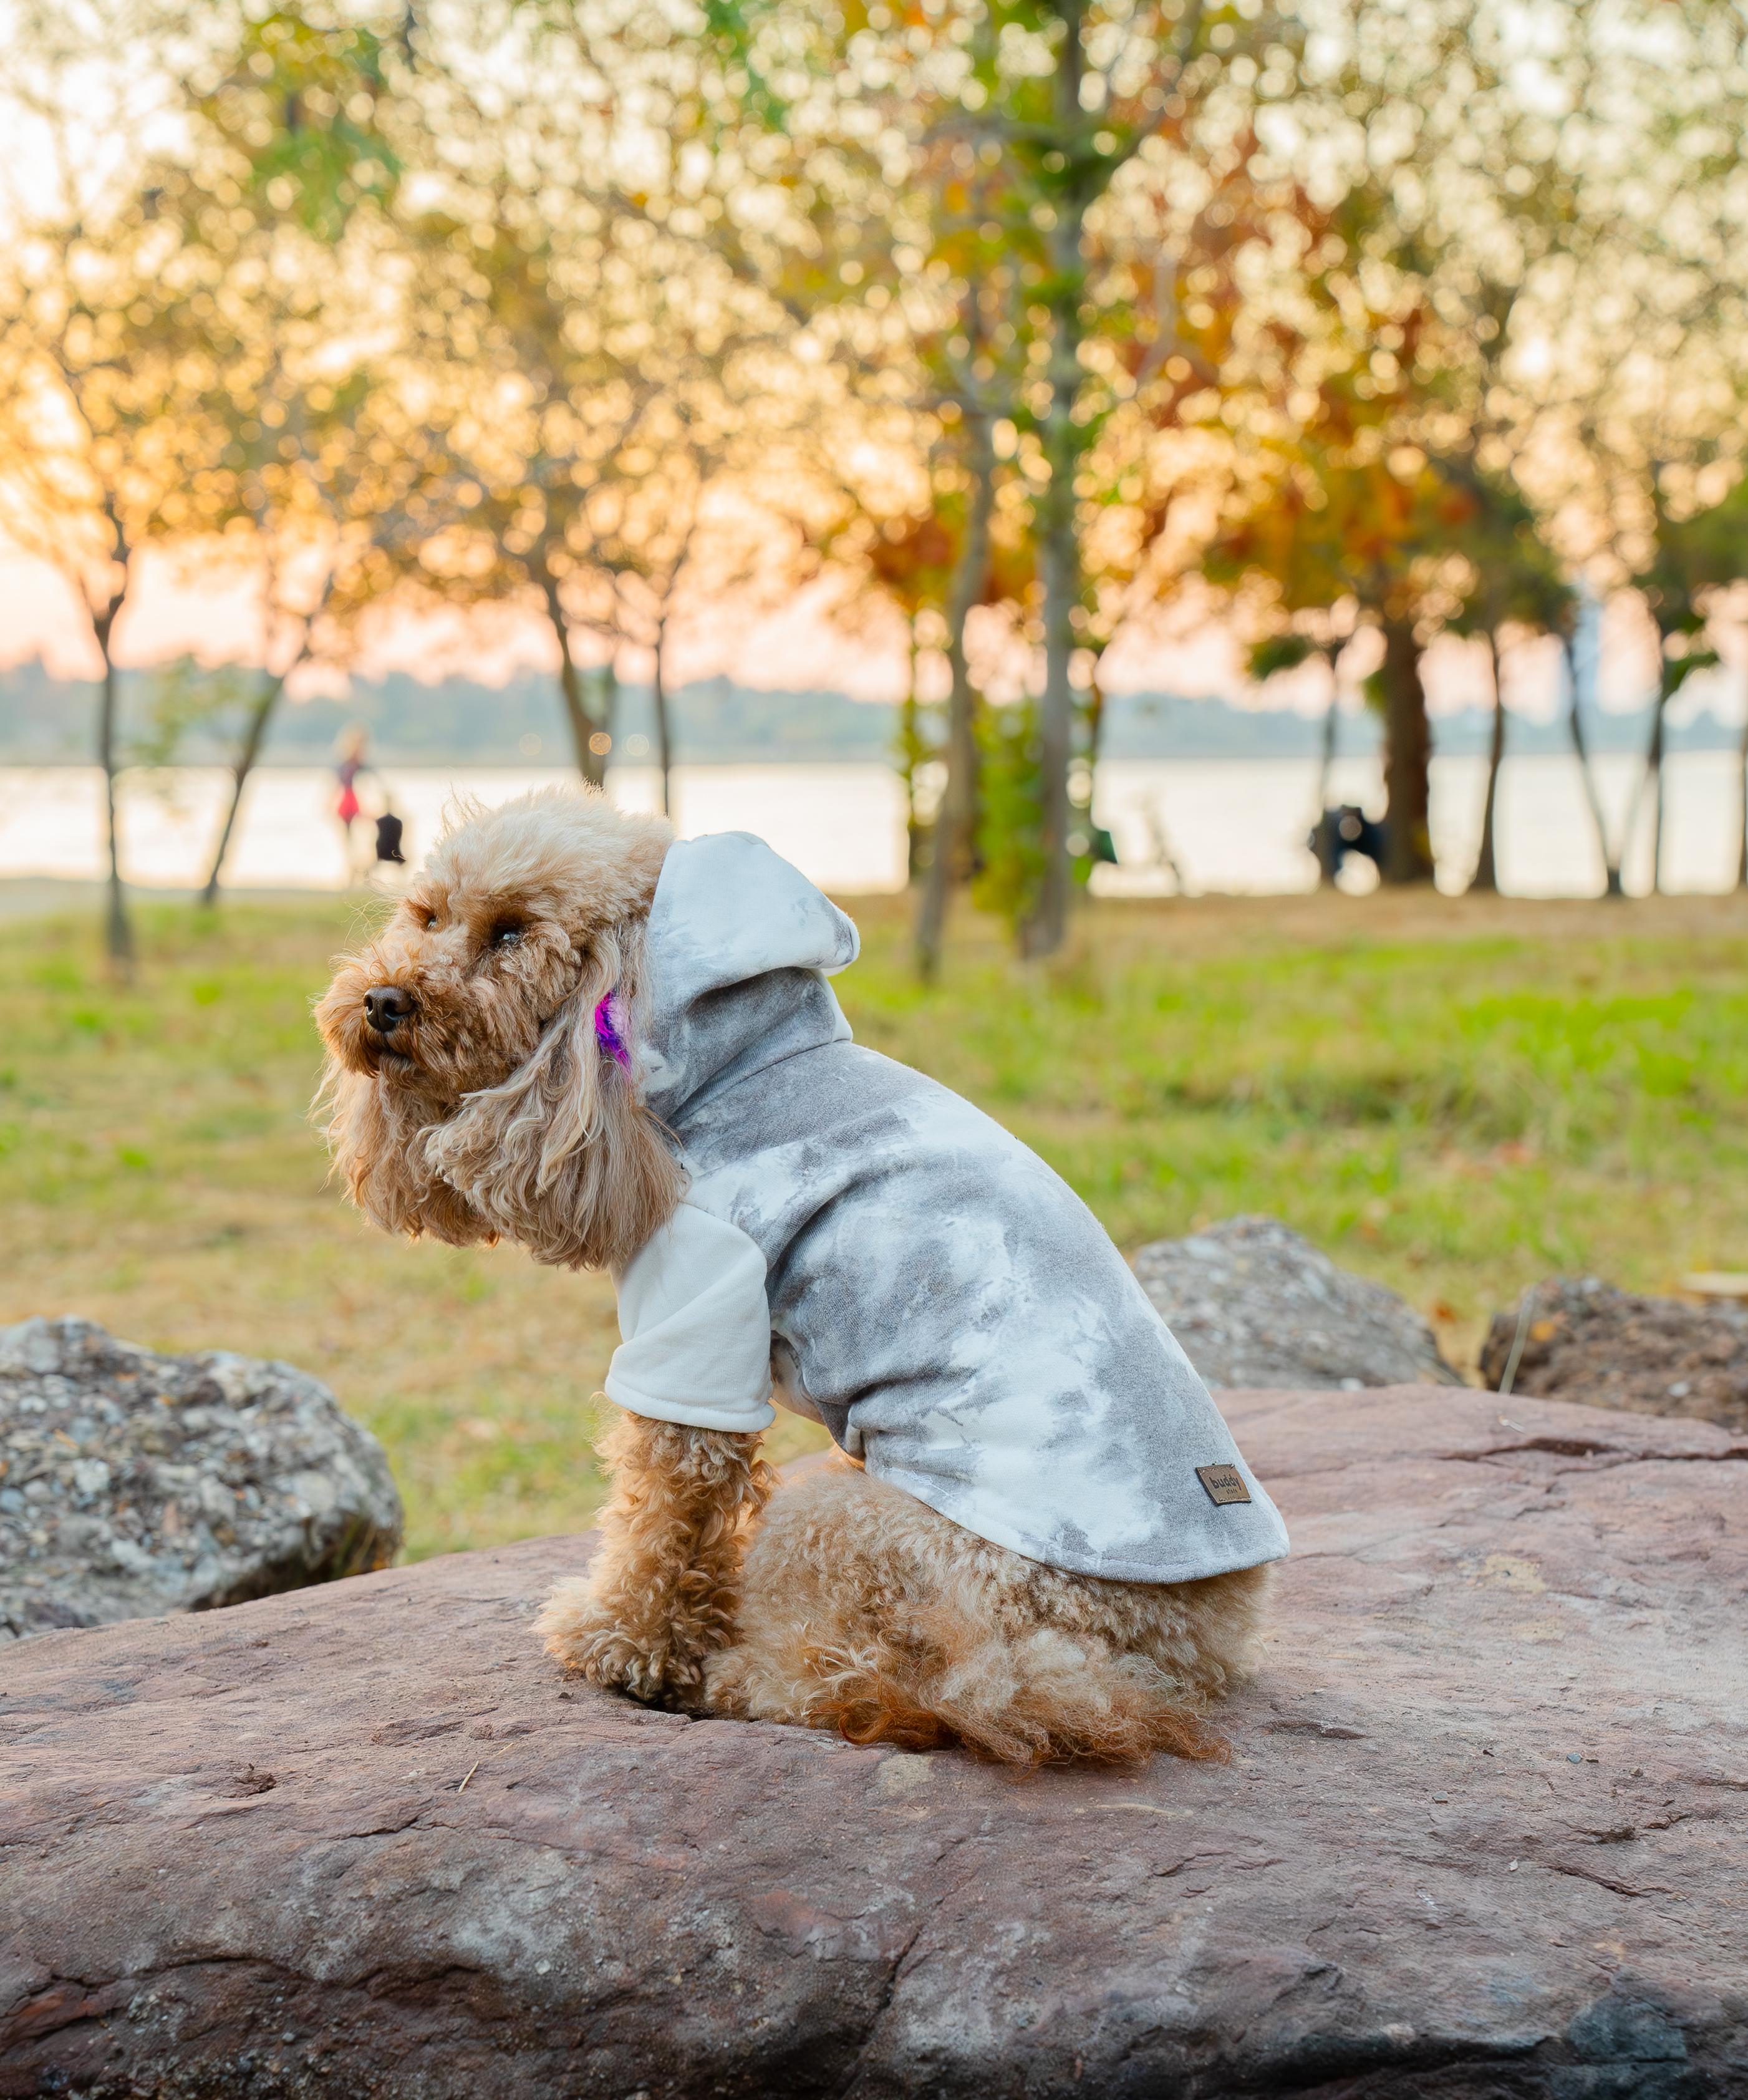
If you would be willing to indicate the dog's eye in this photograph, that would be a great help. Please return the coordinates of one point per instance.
(507, 934)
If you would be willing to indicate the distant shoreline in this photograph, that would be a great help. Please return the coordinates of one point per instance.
(48, 721)
(1274, 735)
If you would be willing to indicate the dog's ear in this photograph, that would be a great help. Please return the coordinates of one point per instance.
(373, 1139)
(562, 1157)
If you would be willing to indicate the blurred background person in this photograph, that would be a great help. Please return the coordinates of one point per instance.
(361, 832)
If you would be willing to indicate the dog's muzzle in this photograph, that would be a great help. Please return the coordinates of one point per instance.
(388, 1007)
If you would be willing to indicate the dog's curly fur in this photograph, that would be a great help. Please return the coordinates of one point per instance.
(492, 1113)
(866, 1611)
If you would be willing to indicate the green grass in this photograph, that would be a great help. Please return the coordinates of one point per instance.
(1455, 1098)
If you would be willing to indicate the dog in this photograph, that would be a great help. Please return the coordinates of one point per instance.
(1037, 1539)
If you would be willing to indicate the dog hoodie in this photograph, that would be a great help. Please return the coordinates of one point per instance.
(894, 1265)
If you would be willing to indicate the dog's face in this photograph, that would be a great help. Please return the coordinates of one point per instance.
(455, 991)
(465, 1080)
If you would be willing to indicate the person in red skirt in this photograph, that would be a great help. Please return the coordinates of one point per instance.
(350, 767)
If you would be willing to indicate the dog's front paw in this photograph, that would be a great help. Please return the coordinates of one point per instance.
(645, 1670)
(595, 1644)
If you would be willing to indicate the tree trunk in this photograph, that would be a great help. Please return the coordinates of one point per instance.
(1611, 863)
(1741, 829)
(607, 676)
(1060, 569)
(659, 702)
(1095, 721)
(1058, 538)
(1486, 866)
(1654, 779)
(955, 822)
(590, 763)
(1407, 759)
(254, 736)
(1320, 840)
(910, 748)
(118, 933)
(1331, 727)
(1650, 783)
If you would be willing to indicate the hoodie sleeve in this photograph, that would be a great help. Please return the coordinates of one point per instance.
(696, 1328)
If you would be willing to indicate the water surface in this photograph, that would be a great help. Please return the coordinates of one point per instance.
(1236, 825)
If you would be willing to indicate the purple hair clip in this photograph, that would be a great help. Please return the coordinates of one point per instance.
(608, 1015)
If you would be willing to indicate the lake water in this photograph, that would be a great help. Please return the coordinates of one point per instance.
(1232, 825)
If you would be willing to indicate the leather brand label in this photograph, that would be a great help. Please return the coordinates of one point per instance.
(1224, 1484)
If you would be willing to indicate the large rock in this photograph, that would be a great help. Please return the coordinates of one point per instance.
(1580, 1338)
(133, 1484)
(1254, 1305)
(1482, 1832)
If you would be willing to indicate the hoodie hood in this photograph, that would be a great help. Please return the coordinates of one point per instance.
(736, 954)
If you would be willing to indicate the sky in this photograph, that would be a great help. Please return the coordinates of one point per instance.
(797, 648)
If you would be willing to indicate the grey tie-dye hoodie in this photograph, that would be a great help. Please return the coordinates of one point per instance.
(945, 1304)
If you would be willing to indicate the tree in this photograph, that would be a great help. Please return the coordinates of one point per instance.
(648, 553)
(276, 199)
(891, 276)
(925, 194)
(674, 515)
(1321, 637)
(1516, 582)
(578, 345)
(1179, 253)
(1070, 92)
(1637, 190)
(103, 434)
(1477, 224)
(952, 846)
(908, 528)
(1339, 523)
(516, 315)
(332, 534)
(928, 305)
(1579, 642)
(910, 562)
(1693, 556)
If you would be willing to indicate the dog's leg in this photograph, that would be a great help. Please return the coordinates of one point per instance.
(662, 1592)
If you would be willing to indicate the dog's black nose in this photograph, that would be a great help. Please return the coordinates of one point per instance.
(387, 1006)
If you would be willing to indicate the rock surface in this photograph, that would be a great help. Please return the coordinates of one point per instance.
(132, 1483)
(1254, 1305)
(1582, 1340)
(1482, 1833)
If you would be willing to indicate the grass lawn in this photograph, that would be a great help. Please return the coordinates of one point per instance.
(1454, 1096)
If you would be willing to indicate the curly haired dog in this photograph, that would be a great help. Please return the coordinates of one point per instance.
(620, 1052)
